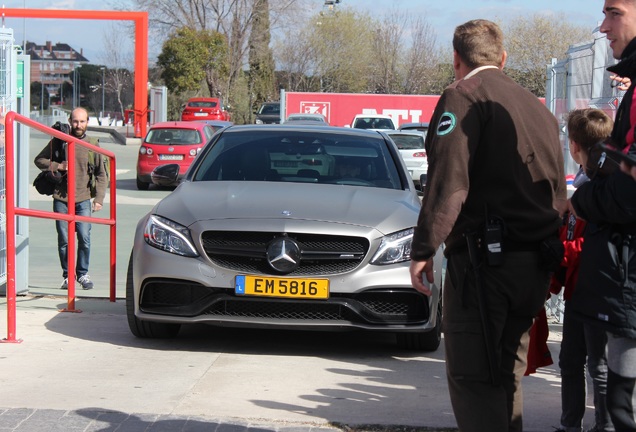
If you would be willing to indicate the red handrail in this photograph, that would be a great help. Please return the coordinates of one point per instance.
(71, 217)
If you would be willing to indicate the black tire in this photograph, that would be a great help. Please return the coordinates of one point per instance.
(141, 185)
(144, 329)
(425, 341)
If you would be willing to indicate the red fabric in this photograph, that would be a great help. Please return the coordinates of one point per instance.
(571, 234)
(538, 352)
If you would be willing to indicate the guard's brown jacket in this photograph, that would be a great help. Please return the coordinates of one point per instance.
(491, 145)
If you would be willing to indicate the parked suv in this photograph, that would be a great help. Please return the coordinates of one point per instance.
(268, 113)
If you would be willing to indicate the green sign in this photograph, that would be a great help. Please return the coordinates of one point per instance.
(20, 76)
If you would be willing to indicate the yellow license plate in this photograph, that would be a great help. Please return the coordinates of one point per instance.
(282, 287)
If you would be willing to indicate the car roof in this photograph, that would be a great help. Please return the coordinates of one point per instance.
(179, 125)
(414, 125)
(404, 132)
(195, 99)
(373, 116)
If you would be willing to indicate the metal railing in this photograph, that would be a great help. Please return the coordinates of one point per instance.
(12, 211)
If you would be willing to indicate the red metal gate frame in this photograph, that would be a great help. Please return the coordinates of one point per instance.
(141, 46)
(13, 211)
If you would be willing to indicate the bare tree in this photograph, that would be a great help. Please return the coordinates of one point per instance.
(118, 79)
(387, 41)
(531, 42)
(421, 71)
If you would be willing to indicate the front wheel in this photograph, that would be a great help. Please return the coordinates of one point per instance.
(139, 328)
(424, 341)
(142, 185)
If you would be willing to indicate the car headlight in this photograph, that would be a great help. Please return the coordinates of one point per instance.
(169, 236)
(258, 121)
(394, 248)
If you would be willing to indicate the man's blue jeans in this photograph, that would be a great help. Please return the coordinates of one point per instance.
(83, 231)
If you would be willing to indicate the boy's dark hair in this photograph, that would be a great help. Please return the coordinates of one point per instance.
(589, 126)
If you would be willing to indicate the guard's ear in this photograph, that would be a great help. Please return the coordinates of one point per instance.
(504, 57)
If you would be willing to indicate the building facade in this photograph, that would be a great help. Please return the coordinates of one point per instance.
(53, 65)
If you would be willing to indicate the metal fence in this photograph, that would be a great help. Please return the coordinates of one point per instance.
(579, 81)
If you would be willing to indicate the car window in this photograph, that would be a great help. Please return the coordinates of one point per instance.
(305, 157)
(407, 142)
(208, 131)
(203, 104)
(174, 136)
(270, 109)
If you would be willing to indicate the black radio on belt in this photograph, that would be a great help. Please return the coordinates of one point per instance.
(493, 241)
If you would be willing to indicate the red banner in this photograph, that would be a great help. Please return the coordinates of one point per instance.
(340, 108)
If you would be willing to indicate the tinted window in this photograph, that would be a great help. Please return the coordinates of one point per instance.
(407, 142)
(173, 136)
(203, 104)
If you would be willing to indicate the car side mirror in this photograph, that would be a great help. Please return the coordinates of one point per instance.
(165, 175)
(423, 178)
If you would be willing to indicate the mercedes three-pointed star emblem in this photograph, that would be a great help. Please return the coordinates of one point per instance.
(283, 254)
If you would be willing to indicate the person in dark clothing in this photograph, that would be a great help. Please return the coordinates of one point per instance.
(583, 345)
(495, 160)
(605, 294)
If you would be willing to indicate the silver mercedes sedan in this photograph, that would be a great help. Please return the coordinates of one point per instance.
(291, 227)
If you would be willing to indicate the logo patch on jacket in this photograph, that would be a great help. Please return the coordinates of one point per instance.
(446, 123)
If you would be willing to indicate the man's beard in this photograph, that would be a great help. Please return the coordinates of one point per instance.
(79, 132)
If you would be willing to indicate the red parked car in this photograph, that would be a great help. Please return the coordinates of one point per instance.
(204, 109)
(170, 142)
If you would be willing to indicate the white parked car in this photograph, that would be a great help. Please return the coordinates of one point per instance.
(410, 143)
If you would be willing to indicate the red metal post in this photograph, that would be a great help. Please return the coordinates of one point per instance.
(12, 211)
(141, 42)
(10, 195)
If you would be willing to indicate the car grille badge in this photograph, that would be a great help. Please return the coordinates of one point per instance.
(283, 255)
(286, 213)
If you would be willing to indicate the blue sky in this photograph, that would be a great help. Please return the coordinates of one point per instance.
(442, 16)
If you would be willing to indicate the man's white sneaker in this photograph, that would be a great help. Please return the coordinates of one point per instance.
(64, 284)
(85, 282)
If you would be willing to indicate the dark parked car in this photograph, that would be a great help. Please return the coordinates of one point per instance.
(268, 113)
(295, 227)
(420, 126)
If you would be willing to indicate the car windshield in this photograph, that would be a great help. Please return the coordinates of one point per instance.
(173, 136)
(408, 142)
(299, 156)
(270, 109)
(373, 123)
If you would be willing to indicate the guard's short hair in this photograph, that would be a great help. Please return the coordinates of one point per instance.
(479, 43)
(588, 126)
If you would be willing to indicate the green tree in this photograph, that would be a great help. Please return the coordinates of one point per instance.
(531, 43)
(342, 50)
(261, 59)
(190, 57)
(39, 96)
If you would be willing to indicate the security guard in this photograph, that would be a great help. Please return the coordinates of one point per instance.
(496, 188)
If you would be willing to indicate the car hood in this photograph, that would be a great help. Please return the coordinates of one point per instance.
(386, 210)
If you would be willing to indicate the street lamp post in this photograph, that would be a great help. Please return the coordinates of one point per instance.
(103, 72)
